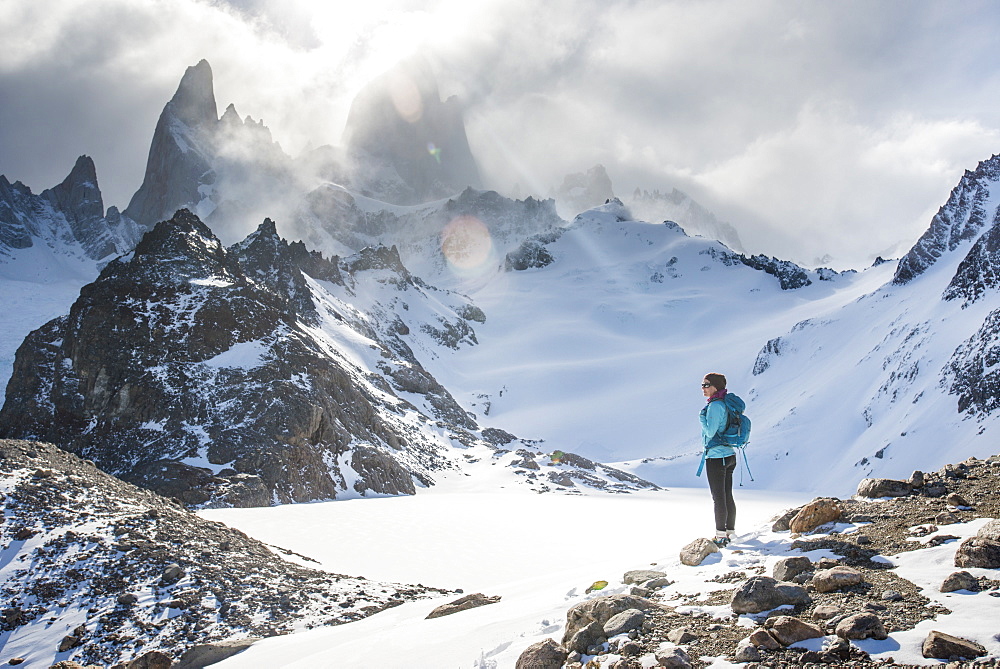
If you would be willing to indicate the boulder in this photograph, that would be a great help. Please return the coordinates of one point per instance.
(206, 654)
(640, 576)
(601, 610)
(957, 500)
(861, 626)
(817, 512)
(762, 593)
(788, 568)
(788, 630)
(837, 578)
(463, 604)
(764, 639)
(960, 580)
(978, 552)
(624, 622)
(876, 488)
(681, 635)
(746, 652)
(695, 552)
(583, 638)
(672, 657)
(826, 612)
(542, 655)
(941, 646)
(990, 530)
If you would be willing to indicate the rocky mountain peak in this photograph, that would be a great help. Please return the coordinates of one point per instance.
(194, 101)
(183, 246)
(967, 212)
(401, 128)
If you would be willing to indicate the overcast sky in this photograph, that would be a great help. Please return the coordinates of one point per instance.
(812, 126)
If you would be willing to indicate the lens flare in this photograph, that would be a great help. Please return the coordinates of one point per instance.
(434, 151)
(466, 243)
(557, 457)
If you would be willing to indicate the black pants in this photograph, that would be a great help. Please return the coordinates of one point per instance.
(720, 482)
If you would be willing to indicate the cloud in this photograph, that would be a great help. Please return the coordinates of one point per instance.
(799, 123)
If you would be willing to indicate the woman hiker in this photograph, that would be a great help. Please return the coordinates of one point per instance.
(717, 458)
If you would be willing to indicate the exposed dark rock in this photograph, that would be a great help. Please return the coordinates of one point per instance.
(763, 593)
(789, 275)
(961, 218)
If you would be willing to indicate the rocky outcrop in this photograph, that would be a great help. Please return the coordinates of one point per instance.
(199, 371)
(131, 572)
(972, 374)
(963, 217)
(789, 275)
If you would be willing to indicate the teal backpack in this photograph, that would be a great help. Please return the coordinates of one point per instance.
(737, 432)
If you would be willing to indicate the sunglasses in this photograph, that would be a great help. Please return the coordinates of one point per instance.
(706, 385)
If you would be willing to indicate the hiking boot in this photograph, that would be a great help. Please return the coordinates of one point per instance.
(721, 542)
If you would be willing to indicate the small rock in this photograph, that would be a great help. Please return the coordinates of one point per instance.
(837, 578)
(788, 568)
(892, 596)
(695, 552)
(957, 500)
(762, 593)
(960, 580)
(69, 642)
(543, 655)
(640, 576)
(826, 612)
(681, 635)
(764, 639)
(941, 646)
(657, 583)
(781, 524)
(624, 622)
(788, 630)
(673, 658)
(127, 599)
(746, 652)
(916, 479)
(861, 626)
(172, 573)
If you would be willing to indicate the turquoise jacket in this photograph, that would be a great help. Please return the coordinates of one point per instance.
(714, 419)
